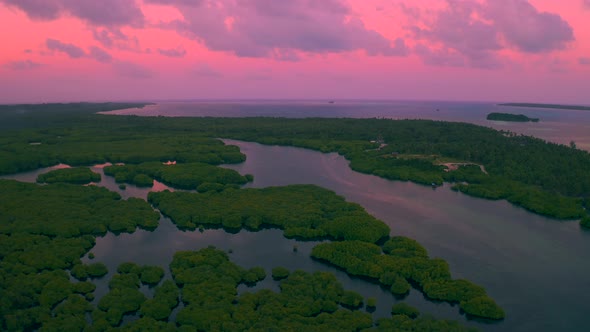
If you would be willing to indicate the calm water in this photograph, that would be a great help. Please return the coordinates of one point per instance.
(559, 126)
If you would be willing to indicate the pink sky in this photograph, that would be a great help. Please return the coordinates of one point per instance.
(488, 50)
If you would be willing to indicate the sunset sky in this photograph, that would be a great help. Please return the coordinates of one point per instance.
(488, 50)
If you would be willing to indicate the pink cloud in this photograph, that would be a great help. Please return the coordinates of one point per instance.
(473, 33)
(115, 38)
(178, 52)
(103, 12)
(132, 70)
(265, 28)
(22, 65)
(71, 50)
(204, 70)
(100, 55)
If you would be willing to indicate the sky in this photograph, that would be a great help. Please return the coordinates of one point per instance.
(111, 50)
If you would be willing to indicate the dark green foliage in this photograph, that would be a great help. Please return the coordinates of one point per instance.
(400, 286)
(67, 210)
(530, 164)
(142, 180)
(97, 270)
(371, 302)
(510, 117)
(70, 315)
(17, 117)
(401, 246)
(75, 175)
(165, 299)
(351, 299)
(279, 273)
(118, 302)
(303, 211)
(482, 306)
(585, 222)
(405, 309)
(453, 290)
(406, 261)
(84, 287)
(148, 324)
(534, 200)
(82, 272)
(307, 302)
(253, 275)
(200, 176)
(151, 275)
(124, 296)
(128, 267)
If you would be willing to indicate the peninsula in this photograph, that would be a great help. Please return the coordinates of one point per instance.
(510, 117)
(557, 106)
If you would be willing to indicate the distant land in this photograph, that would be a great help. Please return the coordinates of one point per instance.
(510, 117)
(533, 105)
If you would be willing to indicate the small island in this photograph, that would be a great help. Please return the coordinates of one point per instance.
(510, 117)
(558, 106)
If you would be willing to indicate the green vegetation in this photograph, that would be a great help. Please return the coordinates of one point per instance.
(302, 211)
(533, 105)
(200, 176)
(123, 298)
(67, 211)
(402, 260)
(20, 116)
(585, 222)
(164, 301)
(510, 117)
(404, 309)
(306, 301)
(279, 273)
(254, 275)
(82, 272)
(75, 175)
(535, 173)
(44, 231)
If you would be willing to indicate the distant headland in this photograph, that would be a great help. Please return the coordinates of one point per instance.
(559, 106)
(510, 117)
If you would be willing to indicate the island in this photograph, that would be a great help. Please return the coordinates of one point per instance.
(510, 117)
(556, 106)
